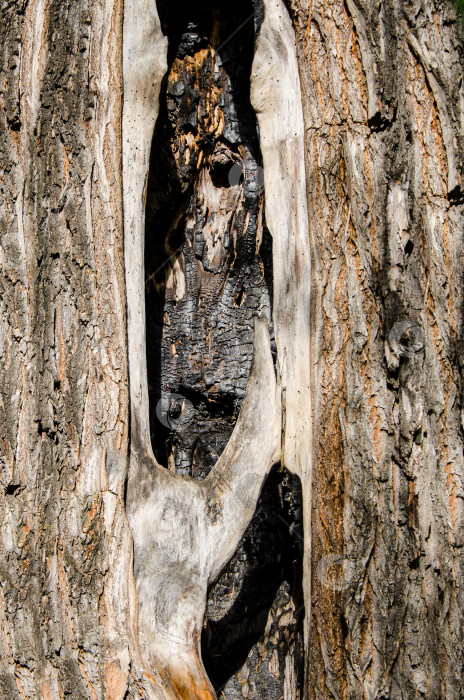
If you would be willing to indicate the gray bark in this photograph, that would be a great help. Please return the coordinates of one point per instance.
(377, 442)
(67, 597)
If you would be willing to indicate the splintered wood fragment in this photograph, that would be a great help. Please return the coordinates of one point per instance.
(144, 64)
(276, 98)
(185, 531)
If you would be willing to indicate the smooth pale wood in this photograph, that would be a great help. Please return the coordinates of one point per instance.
(185, 531)
(173, 571)
(144, 64)
(276, 98)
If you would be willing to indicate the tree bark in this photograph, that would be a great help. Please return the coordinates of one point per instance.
(127, 494)
(384, 146)
(68, 601)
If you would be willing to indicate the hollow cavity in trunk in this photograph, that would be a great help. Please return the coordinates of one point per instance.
(208, 264)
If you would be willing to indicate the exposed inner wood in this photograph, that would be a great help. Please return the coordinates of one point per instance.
(277, 98)
(185, 531)
(208, 258)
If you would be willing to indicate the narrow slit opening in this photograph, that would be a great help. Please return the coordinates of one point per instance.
(208, 272)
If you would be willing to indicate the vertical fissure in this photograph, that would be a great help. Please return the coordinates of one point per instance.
(208, 272)
(208, 253)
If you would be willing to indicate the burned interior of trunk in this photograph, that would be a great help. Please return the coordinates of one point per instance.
(208, 265)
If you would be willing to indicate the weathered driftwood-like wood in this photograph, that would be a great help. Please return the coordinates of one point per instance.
(173, 573)
(276, 97)
(208, 518)
(144, 61)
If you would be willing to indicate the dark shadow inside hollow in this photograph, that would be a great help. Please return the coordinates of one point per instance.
(208, 254)
(208, 264)
(265, 575)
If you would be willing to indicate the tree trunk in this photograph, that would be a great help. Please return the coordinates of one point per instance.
(384, 152)
(193, 505)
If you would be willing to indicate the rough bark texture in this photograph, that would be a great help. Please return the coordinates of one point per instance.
(384, 118)
(65, 545)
